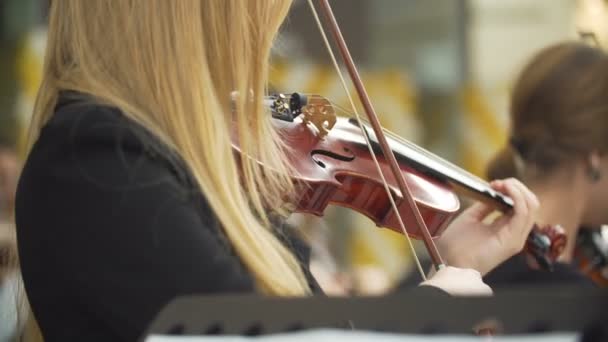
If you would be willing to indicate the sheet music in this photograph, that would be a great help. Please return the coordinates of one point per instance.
(330, 335)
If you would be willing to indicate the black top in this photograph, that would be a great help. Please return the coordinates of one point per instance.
(516, 272)
(110, 228)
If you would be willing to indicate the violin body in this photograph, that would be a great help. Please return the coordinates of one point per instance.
(337, 169)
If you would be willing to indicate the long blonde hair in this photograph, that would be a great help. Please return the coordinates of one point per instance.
(171, 66)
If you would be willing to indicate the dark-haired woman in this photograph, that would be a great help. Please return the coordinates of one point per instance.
(557, 147)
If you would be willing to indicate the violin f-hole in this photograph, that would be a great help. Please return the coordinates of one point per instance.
(331, 154)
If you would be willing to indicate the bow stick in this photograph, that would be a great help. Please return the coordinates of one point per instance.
(412, 208)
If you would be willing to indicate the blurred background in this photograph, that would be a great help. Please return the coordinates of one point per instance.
(439, 74)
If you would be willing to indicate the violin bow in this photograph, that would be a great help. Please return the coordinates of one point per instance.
(412, 208)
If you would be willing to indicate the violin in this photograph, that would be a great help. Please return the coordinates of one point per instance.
(591, 254)
(334, 166)
(357, 164)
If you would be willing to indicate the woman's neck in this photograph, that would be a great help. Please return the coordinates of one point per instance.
(561, 204)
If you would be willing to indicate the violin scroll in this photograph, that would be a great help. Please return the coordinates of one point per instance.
(546, 244)
(591, 254)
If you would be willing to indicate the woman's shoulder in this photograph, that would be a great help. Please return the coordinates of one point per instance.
(95, 180)
(92, 158)
(108, 231)
(86, 136)
(80, 122)
(75, 109)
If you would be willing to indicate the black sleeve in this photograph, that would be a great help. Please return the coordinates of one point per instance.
(516, 272)
(288, 235)
(116, 227)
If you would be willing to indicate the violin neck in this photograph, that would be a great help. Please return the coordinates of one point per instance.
(425, 162)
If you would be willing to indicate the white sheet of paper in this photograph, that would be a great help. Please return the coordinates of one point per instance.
(329, 335)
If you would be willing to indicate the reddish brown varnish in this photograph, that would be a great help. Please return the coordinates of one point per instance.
(338, 169)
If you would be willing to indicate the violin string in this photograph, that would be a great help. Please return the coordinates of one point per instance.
(465, 177)
(364, 133)
(445, 163)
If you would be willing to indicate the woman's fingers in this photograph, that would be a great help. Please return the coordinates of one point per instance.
(532, 204)
(510, 188)
(517, 226)
(533, 200)
(478, 211)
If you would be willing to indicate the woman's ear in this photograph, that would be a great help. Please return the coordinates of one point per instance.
(594, 166)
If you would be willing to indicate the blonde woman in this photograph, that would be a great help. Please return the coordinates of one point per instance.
(131, 196)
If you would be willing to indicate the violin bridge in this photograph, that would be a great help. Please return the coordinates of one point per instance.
(320, 113)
